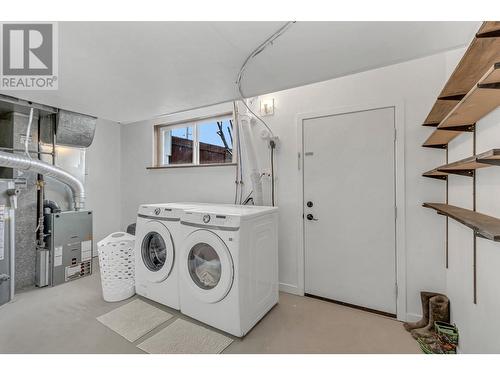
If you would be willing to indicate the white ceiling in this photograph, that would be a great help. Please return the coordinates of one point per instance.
(129, 71)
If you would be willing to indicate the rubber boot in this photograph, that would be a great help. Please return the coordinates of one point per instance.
(424, 297)
(439, 310)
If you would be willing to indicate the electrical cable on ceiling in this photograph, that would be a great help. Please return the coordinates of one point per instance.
(269, 41)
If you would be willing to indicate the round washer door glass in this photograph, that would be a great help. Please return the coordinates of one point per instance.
(204, 266)
(154, 251)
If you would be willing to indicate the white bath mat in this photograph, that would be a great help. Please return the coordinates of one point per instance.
(134, 319)
(183, 337)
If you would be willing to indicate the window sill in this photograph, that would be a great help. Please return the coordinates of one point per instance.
(193, 166)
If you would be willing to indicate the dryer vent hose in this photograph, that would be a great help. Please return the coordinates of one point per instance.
(25, 163)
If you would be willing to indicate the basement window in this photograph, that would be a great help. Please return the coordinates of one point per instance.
(200, 142)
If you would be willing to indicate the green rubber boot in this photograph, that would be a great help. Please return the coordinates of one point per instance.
(424, 297)
(439, 310)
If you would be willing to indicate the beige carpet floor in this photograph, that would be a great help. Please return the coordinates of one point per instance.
(63, 320)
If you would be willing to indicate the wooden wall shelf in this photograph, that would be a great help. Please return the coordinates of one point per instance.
(483, 225)
(482, 53)
(436, 174)
(489, 29)
(483, 98)
(472, 91)
(441, 138)
(467, 166)
(439, 111)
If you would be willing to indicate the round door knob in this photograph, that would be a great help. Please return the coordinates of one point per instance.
(309, 204)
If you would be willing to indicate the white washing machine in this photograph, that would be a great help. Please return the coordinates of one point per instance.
(156, 251)
(229, 265)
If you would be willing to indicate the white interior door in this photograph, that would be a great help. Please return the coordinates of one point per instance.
(349, 230)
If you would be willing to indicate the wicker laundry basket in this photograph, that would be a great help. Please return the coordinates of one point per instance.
(116, 262)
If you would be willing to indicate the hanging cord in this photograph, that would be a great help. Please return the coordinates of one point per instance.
(249, 196)
(248, 200)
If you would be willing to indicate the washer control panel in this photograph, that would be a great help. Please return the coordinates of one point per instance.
(160, 211)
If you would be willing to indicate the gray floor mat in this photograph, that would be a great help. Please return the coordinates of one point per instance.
(183, 337)
(134, 319)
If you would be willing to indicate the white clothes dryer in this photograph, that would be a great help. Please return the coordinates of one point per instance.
(229, 265)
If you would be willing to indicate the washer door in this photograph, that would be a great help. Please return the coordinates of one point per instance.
(157, 251)
(207, 266)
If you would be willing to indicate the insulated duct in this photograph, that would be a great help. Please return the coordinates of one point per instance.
(74, 129)
(23, 162)
(71, 129)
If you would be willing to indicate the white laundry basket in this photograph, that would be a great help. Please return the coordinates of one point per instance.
(116, 262)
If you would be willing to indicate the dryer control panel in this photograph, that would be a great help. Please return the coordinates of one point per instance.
(211, 219)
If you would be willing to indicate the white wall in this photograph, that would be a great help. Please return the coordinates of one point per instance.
(140, 185)
(478, 323)
(103, 182)
(416, 82)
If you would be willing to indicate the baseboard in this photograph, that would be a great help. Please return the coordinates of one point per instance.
(413, 317)
(288, 288)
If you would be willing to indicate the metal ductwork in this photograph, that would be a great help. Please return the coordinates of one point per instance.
(25, 163)
(71, 129)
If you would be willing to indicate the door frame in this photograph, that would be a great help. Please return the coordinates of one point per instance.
(400, 191)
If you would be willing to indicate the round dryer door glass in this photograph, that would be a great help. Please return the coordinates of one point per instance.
(154, 251)
(204, 266)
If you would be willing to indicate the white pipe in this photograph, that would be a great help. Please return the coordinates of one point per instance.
(236, 132)
(28, 132)
(12, 245)
(255, 177)
(17, 161)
